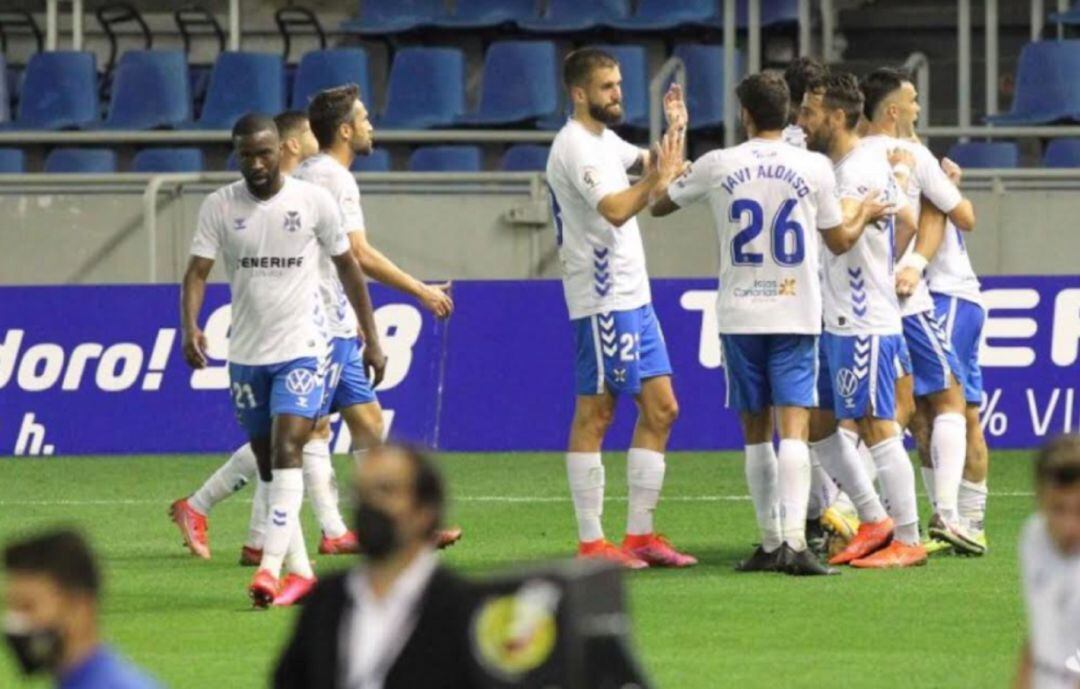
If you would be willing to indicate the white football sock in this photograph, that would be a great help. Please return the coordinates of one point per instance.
(865, 455)
(823, 491)
(322, 488)
(973, 503)
(898, 483)
(793, 477)
(928, 486)
(948, 448)
(260, 508)
(585, 472)
(229, 478)
(761, 477)
(296, 558)
(840, 460)
(286, 498)
(645, 478)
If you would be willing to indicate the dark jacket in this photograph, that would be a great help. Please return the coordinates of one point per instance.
(436, 656)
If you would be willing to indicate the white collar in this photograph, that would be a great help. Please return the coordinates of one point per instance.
(407, 587)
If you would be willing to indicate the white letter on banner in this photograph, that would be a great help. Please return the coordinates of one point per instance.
(52, 355)
(119, 367)
(709, 342)
(77, 364)
(9, 354)
(399, 329)
(217, 349)
(1066, 327)
(1009, 328)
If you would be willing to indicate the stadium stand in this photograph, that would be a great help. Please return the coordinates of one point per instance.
(377, 161)
(1047, 89)
(382, 17)
(322, 69)
(168, 160)
(1062, 153)
(426, 89)
(569, 16)
(634, 69)
(524, 158)
(704, 82)
(664, 15)
(1070, 17)
(12, 161)
(986, 154)
(241, 83)
(59, 91)
(150, 90)
(486, 14)
(81, 160)
(446, 159)
(519, 84)
(5, 91)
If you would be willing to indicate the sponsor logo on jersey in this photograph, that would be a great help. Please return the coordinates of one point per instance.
(847, 383)
(787, 287)
(270, 262)
(240, 224)
(300, 381)
(767, 288)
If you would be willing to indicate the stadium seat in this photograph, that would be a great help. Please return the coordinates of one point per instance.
(660, 15)
(242, 83)
(634, 67)
(563, 16)
(1047, 89)
(12, 161)
(377, 161)
(705, 82)
(1062, 153)
(150, 90)
(484, 14)
(426, 88)
(231, 163)
(323, 69)
(525, 158)
(5, 91)
(60, 91)
(168, 160)
(1070, 17)
(519, 84)
(445, 159)
(986, 154)
(381, 17)
(81, 160)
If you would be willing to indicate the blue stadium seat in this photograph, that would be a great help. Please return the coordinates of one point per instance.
(1070, 17)
(986, 154)
(381, 17)
(12, 161)
(525, 158)
(705, 82)
(445, 159)
(5, 92)
(1062, 153)
(324, 69)
(484, 14)
(660, 15)
(426, 89)
(377, 161)
(168, 160)
(150, 90)
(1047, 89)
(519, 84)
(634, 67)
(60, 91)
(81, 160)
(563, 16)
(231, 163)
(242, 83)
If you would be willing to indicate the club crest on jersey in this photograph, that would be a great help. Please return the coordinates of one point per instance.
(846, 384)
(590, 177)
(240, 224)
(300, 381)
(292, 221)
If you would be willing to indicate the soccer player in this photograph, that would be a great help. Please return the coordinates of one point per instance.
(799, 75)
(863, 338)
(269, 229)
(767, 199)
(891, 109)
(297, 141)
(1050, 570)
(620, 349)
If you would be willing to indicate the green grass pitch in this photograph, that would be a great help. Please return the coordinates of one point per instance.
(956, 623)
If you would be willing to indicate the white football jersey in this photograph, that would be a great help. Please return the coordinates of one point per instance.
(271, 250)
(768, 200)
(950, 272)
(603, 266)
(926, 179)
(1051, 583)
(860, 289)
(795, 136)
(331, 175)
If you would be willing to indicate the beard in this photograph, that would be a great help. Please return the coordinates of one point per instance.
(363, 148)
(609, 114)
(819, 141)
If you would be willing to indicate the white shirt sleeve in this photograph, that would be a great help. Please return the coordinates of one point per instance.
(349, 200)
(586, 173)
(207, 240)
(629, 154)
(695, 184)
(829, 213)
(934, 183)
(328, 224)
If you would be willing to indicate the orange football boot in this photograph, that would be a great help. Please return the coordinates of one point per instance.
(870, 537)
(263, 589)
(896, 554)
(656, 551)
(602, 549)
(294, 588)
(193, 527)
(448, 537)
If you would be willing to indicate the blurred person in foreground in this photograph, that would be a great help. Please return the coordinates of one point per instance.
(51, 615)
(398, 620)
(1050, 569)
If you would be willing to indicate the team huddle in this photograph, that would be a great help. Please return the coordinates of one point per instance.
(847, 310)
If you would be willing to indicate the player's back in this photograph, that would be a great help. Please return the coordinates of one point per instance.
(766, 198)
(860, 292)
(951, 272)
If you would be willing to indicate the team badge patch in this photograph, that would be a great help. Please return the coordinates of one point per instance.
(292, 221)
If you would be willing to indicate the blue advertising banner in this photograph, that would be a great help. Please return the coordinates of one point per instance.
(98, 369)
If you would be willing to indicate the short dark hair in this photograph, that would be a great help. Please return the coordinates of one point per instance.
(765, 96)
(580, 64)
(800, 74)
(290, 122)
(253, 123)
(1057, 463)
(841, 92)
(429, 489)
(329, 110)
(62, 555)
(877, 85)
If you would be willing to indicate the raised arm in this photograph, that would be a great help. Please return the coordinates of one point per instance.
(858, 213)
(192, 294)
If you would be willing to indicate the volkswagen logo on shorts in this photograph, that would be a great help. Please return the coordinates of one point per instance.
(846, 382)
(300, 381)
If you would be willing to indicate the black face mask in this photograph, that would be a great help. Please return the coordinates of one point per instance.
(376, 533)
(37, 650)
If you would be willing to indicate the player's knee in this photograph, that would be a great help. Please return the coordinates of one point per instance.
(663, 415)
(288, 453)
(596, 421)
